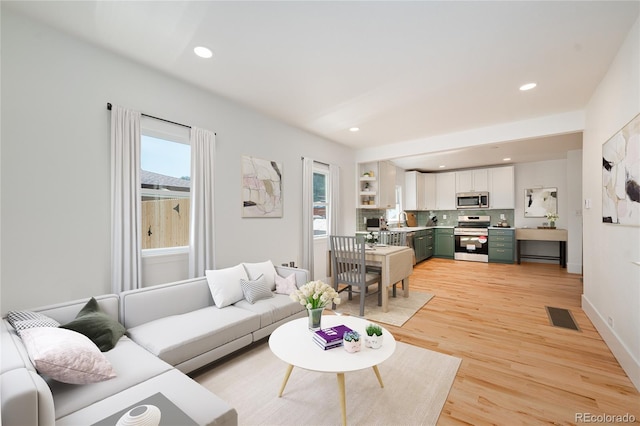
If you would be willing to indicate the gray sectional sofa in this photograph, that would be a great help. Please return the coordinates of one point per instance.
(171, 329)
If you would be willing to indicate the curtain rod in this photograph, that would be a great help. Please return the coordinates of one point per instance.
(316, 161)
(155, 118)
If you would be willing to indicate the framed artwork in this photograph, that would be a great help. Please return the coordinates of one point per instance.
(540, 201)
(261, 188)
(621, 176)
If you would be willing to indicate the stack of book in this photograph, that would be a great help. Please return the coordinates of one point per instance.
(329, 338)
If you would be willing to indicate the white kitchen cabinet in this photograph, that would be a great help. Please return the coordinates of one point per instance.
(387, 185)
(430, 191)
(415, 192)
(472, 180)
(446, 191)
(502, 190)
(376, 183)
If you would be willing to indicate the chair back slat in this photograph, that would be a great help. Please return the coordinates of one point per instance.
(392, 238)
(348, 260)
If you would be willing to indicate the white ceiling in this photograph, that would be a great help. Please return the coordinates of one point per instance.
(400, 71)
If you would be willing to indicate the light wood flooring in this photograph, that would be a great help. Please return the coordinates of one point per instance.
(516, 368)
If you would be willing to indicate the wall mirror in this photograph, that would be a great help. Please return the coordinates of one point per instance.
(540, 201)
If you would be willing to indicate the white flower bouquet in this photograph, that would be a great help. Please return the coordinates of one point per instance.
(315, 294)
(552, 217)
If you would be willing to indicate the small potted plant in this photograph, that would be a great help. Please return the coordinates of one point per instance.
(373, 339)
(351, 341)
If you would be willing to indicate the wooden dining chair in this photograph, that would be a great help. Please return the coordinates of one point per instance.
(390, 238)
(349, 269)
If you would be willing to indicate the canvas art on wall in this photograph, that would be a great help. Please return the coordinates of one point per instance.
(261, 188)
(621, 176)
(540, 201)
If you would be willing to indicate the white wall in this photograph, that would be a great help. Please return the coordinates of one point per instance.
(55, 164)
(611, 279)
(565, 175)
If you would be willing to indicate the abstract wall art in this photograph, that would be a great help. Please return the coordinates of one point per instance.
(261, 188)
(621, 176)
(540, 201)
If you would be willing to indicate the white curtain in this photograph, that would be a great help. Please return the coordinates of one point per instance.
(334, 198)
(201, 253)
(307, 215)
(125, 199)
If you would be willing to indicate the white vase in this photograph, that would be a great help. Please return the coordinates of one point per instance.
(373, 342)
(352, 346)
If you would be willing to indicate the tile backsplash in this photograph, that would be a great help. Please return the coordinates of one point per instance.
(451, 216)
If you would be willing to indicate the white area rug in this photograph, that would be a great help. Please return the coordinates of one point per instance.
(400, 308)
(416, 384)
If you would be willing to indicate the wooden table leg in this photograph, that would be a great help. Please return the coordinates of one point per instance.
(375, 370)
(286, 379)
(405, 286)
(343, 398)
(385, 289)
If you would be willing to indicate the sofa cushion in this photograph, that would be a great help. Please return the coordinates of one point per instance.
(255, 290)
(224, 285)
(194, 400)
(103, 330)
(272, 310)
(66, 356)
(286, 285)
(132, 364)
(266, 269)
(22, 320)
(178, 338)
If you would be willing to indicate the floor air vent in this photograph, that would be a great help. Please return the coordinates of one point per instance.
(560, 317)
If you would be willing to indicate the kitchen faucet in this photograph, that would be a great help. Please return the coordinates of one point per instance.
(401, 222)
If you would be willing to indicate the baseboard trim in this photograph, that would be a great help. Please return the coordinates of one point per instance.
(574, 268)
(629, 364)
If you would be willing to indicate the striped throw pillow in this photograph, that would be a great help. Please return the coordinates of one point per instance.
(255, 290)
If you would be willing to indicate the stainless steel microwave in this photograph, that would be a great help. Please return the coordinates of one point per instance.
(472, 200)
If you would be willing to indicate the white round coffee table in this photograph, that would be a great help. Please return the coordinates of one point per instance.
(293, 343)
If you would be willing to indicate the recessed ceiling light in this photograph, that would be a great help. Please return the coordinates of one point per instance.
(506, 159)
(528, 86)
(203, 52)
(354, 129)
(442, 166)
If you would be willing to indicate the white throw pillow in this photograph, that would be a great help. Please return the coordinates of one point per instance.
(66, 356)
(286, 285)
(266, 269)
(224, 285)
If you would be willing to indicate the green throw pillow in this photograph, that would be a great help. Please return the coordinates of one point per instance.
(103, 330)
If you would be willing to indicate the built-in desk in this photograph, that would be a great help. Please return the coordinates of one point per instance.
(559, 235)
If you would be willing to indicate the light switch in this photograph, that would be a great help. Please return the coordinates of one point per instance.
(502, 216)
(587, 203)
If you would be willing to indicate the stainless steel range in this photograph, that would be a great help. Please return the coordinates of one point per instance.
(472, 238)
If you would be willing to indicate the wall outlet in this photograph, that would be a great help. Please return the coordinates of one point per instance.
(365, 220)
(610, 321)
(502, 216)
(444, 216)
(587, 203)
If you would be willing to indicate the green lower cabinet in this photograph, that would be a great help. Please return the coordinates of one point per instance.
(423, 244)
(444, 243)
(501, 245)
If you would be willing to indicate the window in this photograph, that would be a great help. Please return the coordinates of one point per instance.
(165, 185)
(393, 215)
(320, 200)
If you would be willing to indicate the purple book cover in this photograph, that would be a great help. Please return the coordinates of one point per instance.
(328, 345)
(332, 334)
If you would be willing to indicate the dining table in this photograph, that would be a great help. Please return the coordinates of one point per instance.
(395, 263)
